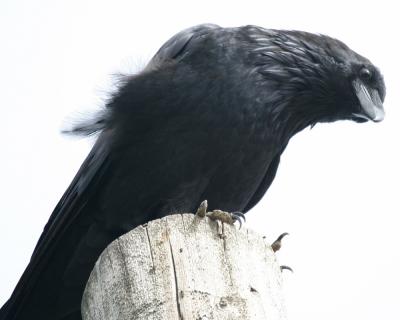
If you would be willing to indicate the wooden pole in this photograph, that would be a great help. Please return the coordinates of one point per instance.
(184, 267)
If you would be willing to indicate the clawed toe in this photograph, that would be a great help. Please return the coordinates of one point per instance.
(238, 216)
(222, 216)
(277, 244)
(202, 210)
(286, 268)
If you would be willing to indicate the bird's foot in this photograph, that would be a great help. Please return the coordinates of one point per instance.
(277, 244)
(223, 216)
(227, 217)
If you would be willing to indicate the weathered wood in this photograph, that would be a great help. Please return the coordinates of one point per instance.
(185, 267)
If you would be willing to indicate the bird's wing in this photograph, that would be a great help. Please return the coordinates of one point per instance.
(75, 197)
(265, 183)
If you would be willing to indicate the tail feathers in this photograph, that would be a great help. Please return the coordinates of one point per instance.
(5, 311)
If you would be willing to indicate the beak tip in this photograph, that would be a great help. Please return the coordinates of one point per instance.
(379, 116)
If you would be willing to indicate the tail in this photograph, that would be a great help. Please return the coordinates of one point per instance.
(7, 314)
(4, 311)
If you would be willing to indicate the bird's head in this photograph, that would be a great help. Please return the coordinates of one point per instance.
(319, 76)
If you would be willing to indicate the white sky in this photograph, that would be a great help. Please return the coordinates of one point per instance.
(336, 191)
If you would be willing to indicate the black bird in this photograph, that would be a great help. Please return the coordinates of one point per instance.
(208, 118)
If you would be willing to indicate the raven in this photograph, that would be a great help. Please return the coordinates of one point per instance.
(207, 118)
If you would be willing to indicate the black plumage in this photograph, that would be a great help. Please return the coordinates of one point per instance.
(208, 118)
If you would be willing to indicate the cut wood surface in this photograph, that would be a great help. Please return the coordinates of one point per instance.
(185, 267)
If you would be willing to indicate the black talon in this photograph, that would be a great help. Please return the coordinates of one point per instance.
(238, 216)
(286, 268)
(277, 244)
(240, 222)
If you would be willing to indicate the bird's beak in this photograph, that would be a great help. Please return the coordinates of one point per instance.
(370, 102)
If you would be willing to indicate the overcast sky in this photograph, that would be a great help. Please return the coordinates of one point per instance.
(337, 188)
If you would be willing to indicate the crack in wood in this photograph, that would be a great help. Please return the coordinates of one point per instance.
(225, 257)
(153, 268)
(178, 305)
(125, 268)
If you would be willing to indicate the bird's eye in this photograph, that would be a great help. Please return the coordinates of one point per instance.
(365, 74)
